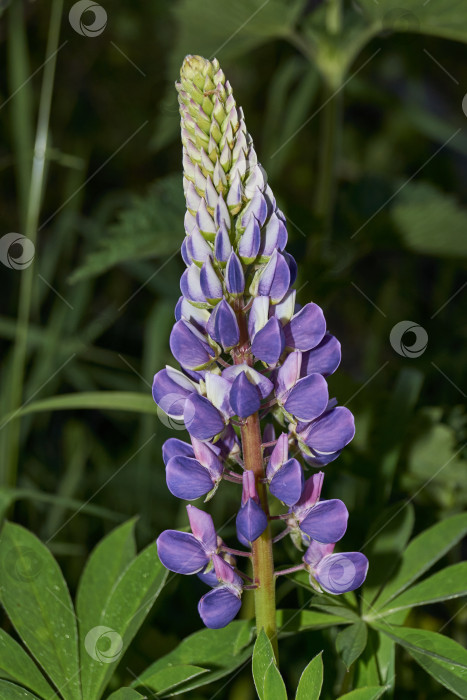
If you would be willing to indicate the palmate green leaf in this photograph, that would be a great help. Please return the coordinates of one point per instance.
(126, 606)
(172, 676)
(351, 642)
(421, 211)
(219, 651)
(292, 621)
(10, 691)
(36, 599)
(311, 680)
(145, 229)
(16, 665)
(370, 693)
(422, 553)
(263, 659)
(100, 400)
(125, 694)
(448, 583)
(444, 18)
(440, 656)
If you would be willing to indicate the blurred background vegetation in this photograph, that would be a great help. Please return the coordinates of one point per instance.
(359, 117)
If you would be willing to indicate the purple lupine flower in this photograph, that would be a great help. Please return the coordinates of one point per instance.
(245, 348)
(251, 518)
(219, 607)
(186, 553)
(324, 521)
(335, 573)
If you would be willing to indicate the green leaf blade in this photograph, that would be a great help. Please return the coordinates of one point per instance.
(311, 680)
(36, 599)
(351, 642)
(17, 666)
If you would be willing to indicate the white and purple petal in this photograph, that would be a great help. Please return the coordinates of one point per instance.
(234, 277)
(223, 326)
(265, 386)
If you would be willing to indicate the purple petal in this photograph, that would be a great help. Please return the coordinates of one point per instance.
(188, 347)
(275, 279)
(332, 432)
(292, 265)
(221, 213)
(207, 454)
(249, 487)
(320, 460)
(269, 342)
(194, 315)
(308, 398)
(289, 373)
(205, 221)
(257, 208)
(217, 392)
(306, 329)
(249, 242)
(225, 572)
(202, 528)
(181, 552)
(187, 478)
(324, 358)
(209, 578)
(223, 326)
(340, 573)
(219, 607)
(326, 521)
(201, 418)
(173, 447)
(317, 551)
(222, 245)
(190, 285)
(170, 390)
(274, 236)
(234, 277)
(258, 316)
(279, 454)
(210, 283)
(287, 482)
(185, 257)
(199, 248)
(251, 521)
(311, 492)
(244, 397)
(265, 386)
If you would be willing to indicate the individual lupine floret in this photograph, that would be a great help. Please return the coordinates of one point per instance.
(335, 573)
(170, 390)
(222, 326)
(244, 396)
(251, 519)
(324, 521)
(186, 553)
(303, 399)
(322, 440)
(189, 347)
(284, 475)
(219, 607)
(190, 476)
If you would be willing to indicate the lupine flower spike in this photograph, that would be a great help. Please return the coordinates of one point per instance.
(246, 350)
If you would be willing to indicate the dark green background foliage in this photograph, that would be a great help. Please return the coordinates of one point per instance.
(358, 121)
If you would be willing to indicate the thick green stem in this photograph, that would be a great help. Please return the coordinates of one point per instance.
(262, 556)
